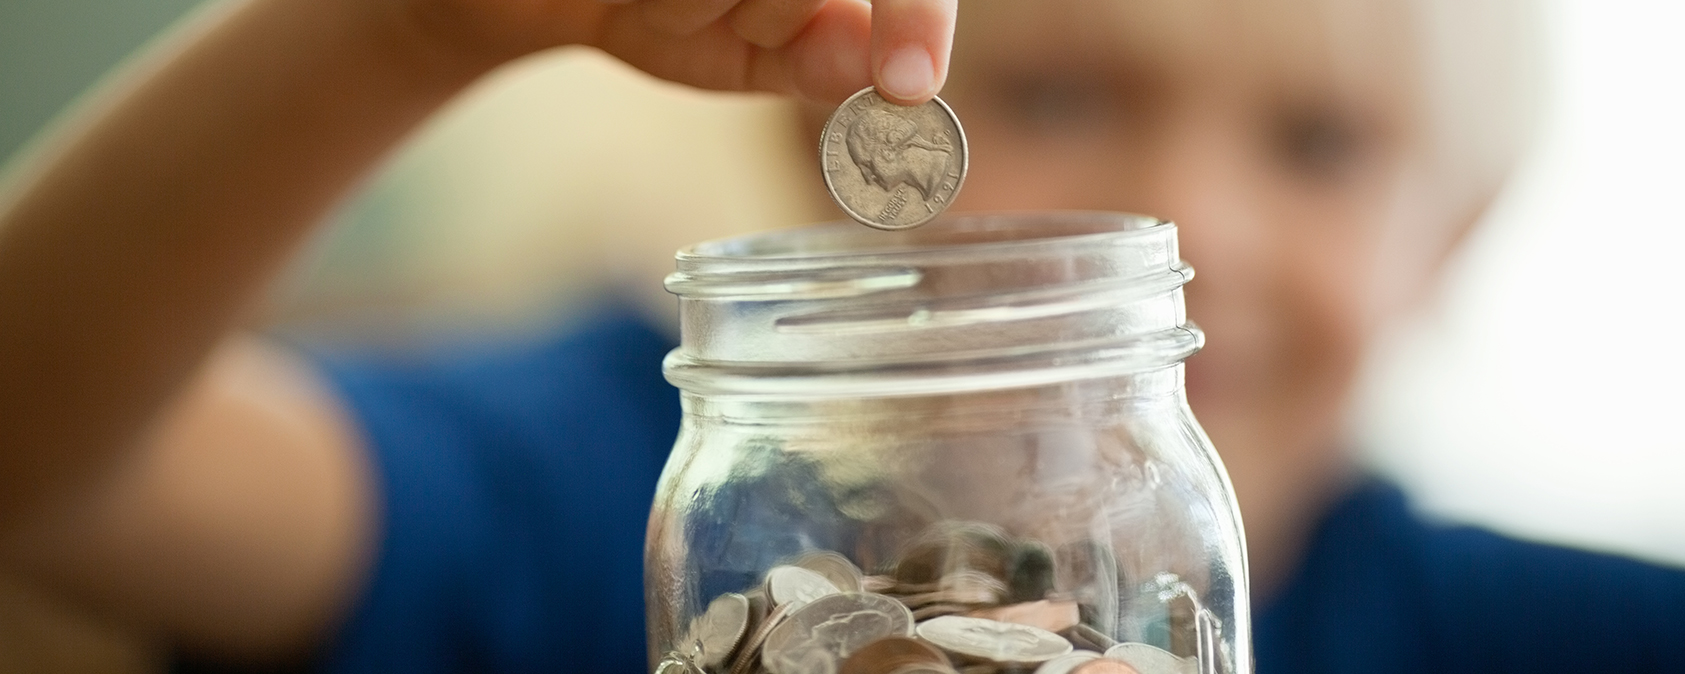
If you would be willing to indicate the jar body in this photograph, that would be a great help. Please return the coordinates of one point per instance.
(1089, 508)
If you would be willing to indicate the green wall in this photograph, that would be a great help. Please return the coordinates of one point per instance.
(53, 50)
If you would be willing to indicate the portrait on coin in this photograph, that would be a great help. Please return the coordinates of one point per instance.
(890, 152)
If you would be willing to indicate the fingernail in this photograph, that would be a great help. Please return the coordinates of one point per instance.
(908, 74)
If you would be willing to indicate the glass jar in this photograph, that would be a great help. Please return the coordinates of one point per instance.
(964, 447)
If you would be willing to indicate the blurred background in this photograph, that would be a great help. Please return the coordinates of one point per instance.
(1539, 395)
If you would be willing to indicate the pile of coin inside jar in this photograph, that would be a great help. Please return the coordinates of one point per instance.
(963, 599)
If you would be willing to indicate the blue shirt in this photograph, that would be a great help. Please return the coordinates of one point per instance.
(517, 484)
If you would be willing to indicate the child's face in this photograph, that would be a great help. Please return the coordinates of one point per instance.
(1281, 137)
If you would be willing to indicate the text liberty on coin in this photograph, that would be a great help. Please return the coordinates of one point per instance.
(891, 166)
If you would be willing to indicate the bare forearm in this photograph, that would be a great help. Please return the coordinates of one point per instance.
(132, 243)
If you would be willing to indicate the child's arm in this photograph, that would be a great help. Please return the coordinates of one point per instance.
(133, 239)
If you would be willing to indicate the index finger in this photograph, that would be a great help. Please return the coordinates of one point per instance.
(911, 43)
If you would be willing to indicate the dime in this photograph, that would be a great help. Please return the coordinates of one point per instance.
(891, 166)
(796, 586)
(1065, 664)
(893, 654)
(1148, 659)
(716, 633)
(1007, 643)
(835, 568)
(1053, 616)
(818, 636)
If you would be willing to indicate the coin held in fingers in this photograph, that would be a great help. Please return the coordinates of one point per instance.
(892, 166)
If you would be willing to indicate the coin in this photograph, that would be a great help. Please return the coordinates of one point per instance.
(716, 633)
(879, 584)
(818, 636)
(1104, 666)
(953, 547)
(891, 166)
(892, 654)
(924, 613)
(1067, 663)
(676, 663)
(751, 651)
(960, 587)
(1084, 636)
(1053, 616)
(834, 567)
(1149, 659)
(924, 668)
(993, 641)
(796, 586)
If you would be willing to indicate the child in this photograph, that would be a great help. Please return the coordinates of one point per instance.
(485, 512)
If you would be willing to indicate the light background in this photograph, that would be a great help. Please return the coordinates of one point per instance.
(1545, 394)
(1541, 395)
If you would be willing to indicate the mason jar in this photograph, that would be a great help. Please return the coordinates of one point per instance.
(959, 448)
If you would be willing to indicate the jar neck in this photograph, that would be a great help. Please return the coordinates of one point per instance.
(1074, 400)
(1018, 301)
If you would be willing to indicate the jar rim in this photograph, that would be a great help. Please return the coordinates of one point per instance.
(993, 233)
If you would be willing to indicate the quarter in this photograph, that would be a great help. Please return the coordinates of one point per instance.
(891, 166)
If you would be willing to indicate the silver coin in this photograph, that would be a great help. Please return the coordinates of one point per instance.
(1067, 663)
(891, 166)
(717, 632)
(834, 567)
(817, 637)
(1053, 616)
(1149, 659)
(676, 663)
(795, 586)
(1000, 642)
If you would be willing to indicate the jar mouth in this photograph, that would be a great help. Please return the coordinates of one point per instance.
(1001, 233)
(1002, 299)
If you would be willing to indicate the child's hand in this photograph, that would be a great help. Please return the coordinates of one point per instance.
(821, 49)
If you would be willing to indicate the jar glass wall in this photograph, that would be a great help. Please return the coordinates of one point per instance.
(964, 447)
